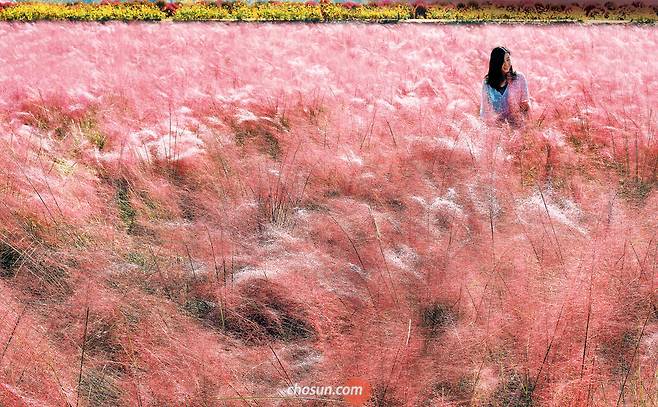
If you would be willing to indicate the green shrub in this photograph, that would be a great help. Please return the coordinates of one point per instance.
(333, 12)
(322, 11)
(191, 12)
(288, 12)
(81, 12)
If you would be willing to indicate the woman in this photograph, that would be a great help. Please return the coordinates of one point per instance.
(504, 92)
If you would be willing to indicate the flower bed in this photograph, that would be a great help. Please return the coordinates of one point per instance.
(324, 11)
(81, 12)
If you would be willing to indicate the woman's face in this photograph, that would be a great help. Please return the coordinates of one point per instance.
(507, 64)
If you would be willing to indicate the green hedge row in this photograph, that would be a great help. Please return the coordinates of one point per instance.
(539, 12)
(323, 11)
(81, 12)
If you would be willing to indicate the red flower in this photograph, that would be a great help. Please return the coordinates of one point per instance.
(172, 7)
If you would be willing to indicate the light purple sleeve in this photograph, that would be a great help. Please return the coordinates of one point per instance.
(485, 104)
(524, 89)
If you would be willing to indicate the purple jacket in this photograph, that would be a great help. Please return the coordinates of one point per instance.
(505, 106)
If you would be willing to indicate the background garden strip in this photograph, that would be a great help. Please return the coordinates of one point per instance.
(326, 12)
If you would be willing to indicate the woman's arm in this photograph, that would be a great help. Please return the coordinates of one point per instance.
(524, 102)
(485, 104)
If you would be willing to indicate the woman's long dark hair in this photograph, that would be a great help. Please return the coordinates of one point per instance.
(495, 76)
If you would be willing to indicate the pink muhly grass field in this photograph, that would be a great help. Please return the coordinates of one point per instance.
(201, 214)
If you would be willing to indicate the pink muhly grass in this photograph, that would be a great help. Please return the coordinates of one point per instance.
(239, 209)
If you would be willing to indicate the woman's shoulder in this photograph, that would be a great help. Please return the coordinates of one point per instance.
(520, 76)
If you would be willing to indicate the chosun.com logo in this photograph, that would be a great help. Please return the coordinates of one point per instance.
(355, 391)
